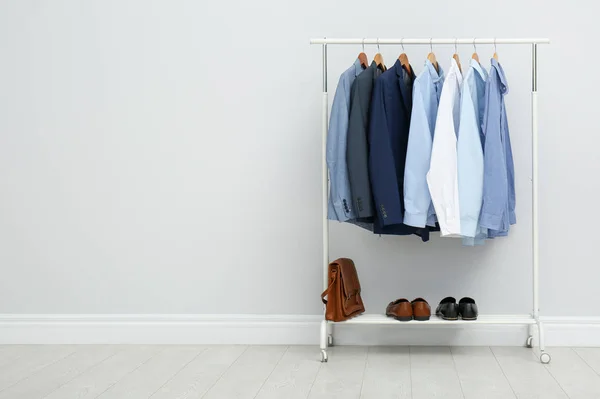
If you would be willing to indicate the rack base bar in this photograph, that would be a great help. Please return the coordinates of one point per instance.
(482, 319)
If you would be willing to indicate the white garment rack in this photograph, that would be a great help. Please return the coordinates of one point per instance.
(531, 320)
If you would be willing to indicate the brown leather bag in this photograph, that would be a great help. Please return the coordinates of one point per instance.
(343, 294)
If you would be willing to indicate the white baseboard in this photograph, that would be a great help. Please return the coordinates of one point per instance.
(572, 331)
(159, 329)
(272, 329)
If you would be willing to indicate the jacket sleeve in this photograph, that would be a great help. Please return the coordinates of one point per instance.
(338, 207)
(442, 176)
(470, 164)
(418, 155)
(495, 193)
(381, 161)
(357, 155)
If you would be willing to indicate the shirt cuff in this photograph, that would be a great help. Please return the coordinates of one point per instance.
(415, 219)
(497, 233)
(450, 229)
(468, 241)
(489, 221)
(468, 227)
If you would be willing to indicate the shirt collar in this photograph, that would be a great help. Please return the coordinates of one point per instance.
(454, 66)
(480, 70)
(436, 76)
(503, 83)
(357, 68)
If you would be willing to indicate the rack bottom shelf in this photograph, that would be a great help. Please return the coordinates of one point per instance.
(482, 319)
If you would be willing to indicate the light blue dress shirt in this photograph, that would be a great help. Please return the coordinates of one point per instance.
(340, 199)
(470, 154)
(498, 210)
(427, 89)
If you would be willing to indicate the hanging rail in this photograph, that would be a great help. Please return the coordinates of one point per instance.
(539, 40)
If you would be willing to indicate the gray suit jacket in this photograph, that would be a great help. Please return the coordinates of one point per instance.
(357, 149)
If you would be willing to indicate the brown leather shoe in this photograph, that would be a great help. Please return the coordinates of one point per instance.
(400, 309)
(421, 309)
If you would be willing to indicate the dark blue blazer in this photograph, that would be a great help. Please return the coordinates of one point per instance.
(391, 106)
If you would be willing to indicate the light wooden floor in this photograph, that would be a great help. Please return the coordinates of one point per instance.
(287, 372)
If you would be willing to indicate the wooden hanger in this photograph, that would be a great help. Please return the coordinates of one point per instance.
(431, 57)
(362, 57)
(379, 58)
(455, 56)
(404, 59)
(495, 51)
(475, 56)
(364, 61)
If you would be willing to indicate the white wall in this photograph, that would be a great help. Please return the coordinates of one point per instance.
(164, 157)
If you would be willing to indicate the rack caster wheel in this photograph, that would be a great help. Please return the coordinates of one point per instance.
(545, 358)
(323, 356)
(330, 340)
(529, 342)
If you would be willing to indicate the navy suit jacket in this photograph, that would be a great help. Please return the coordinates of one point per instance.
(391, 107)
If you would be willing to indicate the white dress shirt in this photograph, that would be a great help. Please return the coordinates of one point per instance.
(442, 177)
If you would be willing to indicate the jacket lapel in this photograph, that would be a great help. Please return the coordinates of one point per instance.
(406, 97)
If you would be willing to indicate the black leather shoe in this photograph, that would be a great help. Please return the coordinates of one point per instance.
(467, 309)
(447, 309)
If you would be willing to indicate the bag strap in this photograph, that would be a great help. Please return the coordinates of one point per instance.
(326, 292)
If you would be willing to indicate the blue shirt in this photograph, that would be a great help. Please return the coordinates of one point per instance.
(498, 210)
(470, 154)
(340, 203)
(426, 97)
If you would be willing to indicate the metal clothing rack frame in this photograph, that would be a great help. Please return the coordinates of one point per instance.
(531, 320)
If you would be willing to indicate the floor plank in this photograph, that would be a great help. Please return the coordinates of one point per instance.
(10, 353)
(341, 377)
(433, 373)
(573, 374)
(47, 380)
(591, 356)
(294, 375)
(387, 374)
(7, 349)
(98, 379)
(152, 375)
(248, 373)
(200, 374)
(32, 362)
(527, 377)
(480, 374)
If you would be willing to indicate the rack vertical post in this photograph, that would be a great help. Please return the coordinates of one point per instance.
(325, 325)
